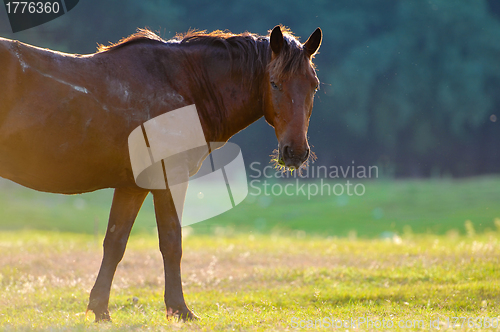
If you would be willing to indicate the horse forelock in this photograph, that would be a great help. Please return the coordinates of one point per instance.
(291, 60)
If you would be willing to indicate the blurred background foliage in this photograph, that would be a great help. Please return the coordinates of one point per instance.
(412, 86)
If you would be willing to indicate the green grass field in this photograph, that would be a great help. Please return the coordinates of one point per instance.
(407, 252)
(431, 206)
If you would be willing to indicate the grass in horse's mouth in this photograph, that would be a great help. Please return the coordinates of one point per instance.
(279, 164)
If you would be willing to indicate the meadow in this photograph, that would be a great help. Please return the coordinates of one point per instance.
(410, 255)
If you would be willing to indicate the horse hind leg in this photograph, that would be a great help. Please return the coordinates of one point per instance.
(126, 204)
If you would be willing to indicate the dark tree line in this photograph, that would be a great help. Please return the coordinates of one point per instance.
(410, 85)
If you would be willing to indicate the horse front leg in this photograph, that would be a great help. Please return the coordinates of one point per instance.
(126, 204)
(169, 232)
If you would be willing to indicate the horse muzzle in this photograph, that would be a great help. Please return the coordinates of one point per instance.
(292, 157)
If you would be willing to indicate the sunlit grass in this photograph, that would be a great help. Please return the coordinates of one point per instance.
(250, 282)
(406, 250)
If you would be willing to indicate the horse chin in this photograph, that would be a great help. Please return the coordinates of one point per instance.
(293, 165)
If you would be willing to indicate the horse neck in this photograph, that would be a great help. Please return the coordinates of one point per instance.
(243, 105)
(227, 102)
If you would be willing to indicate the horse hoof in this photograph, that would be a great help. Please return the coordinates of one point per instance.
(190, 316)
(100, 316)
(103, 317)
(184, 315)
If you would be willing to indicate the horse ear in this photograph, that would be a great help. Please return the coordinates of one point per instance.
(276, 40)
(313, 43)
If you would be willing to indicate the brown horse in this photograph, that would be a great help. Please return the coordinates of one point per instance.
(65, 120)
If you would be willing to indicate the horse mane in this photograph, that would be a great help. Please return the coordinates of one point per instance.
(142, 35)
(252, 49)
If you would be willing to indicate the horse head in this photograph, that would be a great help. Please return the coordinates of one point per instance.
(289, 89)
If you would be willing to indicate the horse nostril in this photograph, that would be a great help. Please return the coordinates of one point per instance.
(287, 152)
(307, 153)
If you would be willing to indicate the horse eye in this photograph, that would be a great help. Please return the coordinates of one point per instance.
(274, 85)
